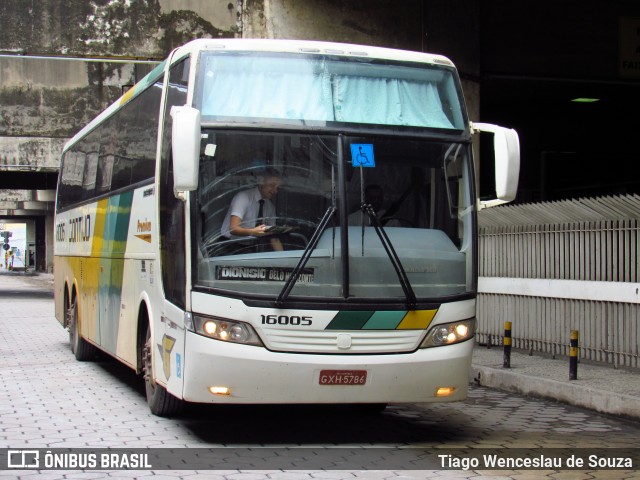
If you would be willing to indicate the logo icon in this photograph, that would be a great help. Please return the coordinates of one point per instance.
(23, 459)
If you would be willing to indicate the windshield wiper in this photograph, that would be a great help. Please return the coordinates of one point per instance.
(306, 255)
(393, 256)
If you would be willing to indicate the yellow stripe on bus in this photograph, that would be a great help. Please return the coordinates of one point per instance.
(127, 96)
(98, 231)
(416, 320)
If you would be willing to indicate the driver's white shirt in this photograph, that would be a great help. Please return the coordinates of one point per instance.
(245, 205)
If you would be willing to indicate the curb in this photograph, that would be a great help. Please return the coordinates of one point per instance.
(578, 395)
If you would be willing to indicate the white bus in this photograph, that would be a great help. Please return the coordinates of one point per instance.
(357, 284)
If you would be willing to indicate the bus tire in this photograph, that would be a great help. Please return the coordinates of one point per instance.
(82, 349)
(161, 402)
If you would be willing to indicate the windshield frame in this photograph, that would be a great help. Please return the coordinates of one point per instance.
(345, 301)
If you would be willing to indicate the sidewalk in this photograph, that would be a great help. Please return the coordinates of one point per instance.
(598, 387)
(27, 279)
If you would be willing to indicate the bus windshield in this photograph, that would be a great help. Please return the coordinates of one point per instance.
(418, 190)
(328, 91)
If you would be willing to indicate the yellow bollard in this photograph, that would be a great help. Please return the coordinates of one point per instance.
(506, 358)
(573, 356)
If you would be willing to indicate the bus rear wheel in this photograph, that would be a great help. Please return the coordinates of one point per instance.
(161, 402)
(82, 349)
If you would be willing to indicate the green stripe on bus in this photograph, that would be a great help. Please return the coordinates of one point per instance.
(349, 320)
(384, 320)
(116, 225)
(111, 276)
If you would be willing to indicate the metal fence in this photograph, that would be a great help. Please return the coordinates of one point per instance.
(555, 267)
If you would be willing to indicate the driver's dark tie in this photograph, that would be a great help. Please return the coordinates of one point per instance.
(260, 213)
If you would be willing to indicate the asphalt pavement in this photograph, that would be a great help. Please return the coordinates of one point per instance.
(598, 387)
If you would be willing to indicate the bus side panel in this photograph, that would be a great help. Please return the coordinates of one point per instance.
(169, 361)
(125, 345)
(109, 298)
(81, 272)
(107, 250)
(59, 288)
(138, 275)
(92, 242)
(88, 282)
(60, 273)
(75, 268)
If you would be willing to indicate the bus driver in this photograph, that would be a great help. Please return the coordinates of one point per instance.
(252, 211)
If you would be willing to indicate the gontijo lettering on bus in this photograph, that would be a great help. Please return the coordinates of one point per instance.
(78, 229)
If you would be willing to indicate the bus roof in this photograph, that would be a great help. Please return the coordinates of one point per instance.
(310, 47)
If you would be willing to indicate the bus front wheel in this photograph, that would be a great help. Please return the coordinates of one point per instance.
(161, 402)
(82, 349)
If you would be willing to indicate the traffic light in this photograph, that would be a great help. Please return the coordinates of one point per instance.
(6, 234)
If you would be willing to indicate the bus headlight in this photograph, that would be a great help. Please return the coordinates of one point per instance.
(449, 333)
(226, 330)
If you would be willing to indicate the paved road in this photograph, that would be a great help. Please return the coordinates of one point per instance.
(51, 401)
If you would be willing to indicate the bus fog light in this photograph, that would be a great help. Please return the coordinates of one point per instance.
(445, 391)
(218, 390)
(226, 330)
(449, 333)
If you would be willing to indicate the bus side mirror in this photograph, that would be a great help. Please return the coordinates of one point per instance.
(185, 148)
(506, 146)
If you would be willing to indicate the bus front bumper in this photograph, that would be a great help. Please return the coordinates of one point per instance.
(255, 375)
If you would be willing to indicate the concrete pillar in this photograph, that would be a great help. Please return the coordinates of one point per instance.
(48, 231)
(46, 195)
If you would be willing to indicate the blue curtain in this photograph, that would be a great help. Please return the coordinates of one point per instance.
(320, 90)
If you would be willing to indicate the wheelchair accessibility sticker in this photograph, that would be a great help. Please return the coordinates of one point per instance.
(362, 155)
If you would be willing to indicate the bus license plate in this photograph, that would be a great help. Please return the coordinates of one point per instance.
(343, 377)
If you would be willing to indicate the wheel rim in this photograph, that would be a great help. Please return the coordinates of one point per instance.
(73, 327)
(147, 366)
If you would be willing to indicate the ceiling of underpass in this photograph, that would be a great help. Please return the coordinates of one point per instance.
(537, 58)
(18, 180)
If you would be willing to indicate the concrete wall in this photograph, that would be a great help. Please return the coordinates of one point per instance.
(447, 27)
(54, 97)
(386, 23)
(141, 28)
